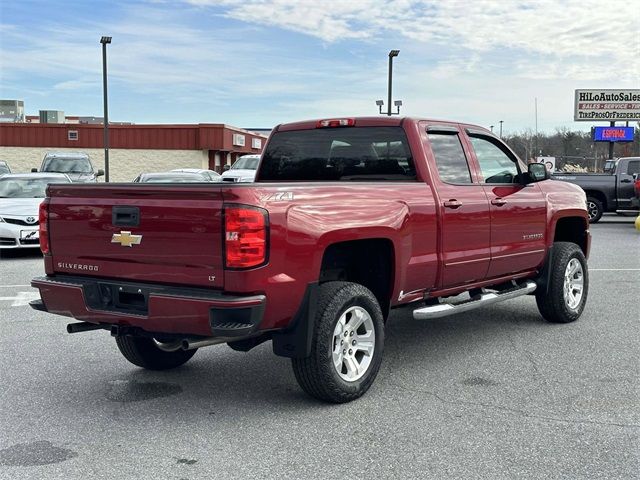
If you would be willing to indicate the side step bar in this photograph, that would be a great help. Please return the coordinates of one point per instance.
(444, 309)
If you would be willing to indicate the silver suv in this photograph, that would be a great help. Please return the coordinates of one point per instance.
(77, 165)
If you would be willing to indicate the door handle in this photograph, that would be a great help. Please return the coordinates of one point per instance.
(123, 216)
(453, 203)
(498, 201)
(626, 180)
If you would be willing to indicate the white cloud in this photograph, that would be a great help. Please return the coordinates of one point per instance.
(569, 33)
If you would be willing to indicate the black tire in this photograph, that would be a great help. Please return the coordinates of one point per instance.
(316, 374)
(552, 303)
(595, 209)
(144, 352)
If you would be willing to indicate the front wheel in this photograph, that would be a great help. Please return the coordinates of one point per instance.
(152, 354)
(347, 346)
(566, 295)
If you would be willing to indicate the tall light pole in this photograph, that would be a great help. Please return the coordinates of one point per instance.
(392, 53)
(104, 41)
(500, 128)
(536, 146)
(397, 103)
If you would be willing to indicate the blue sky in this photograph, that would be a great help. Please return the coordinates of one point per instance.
(256, 63)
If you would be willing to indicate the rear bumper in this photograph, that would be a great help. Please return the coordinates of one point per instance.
(152, 308)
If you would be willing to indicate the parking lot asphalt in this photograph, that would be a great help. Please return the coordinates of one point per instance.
(496, 393)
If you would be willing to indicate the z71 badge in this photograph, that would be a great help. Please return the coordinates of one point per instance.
(278, 197)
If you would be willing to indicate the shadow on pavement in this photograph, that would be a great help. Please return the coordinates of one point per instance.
(19, 253)
(219, 379)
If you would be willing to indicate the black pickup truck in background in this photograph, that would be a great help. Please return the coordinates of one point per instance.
(607, 192)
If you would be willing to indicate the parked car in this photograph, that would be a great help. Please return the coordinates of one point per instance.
(243, 170)
(348, 218)
(171, 177)
(77, 165)
(4, 167)
(210, 175)
(607, 192)
(20, 196)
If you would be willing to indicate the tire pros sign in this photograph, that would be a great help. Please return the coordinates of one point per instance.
(606, 105)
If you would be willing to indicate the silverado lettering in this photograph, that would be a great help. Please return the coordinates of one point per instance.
(78, 266)
(348, 219)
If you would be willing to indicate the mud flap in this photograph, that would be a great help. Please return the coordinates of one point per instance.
(295, 342)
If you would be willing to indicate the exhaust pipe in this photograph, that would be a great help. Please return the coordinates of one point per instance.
(191, 343)
(83, 327)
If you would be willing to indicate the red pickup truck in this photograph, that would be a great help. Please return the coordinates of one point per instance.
(347, 219)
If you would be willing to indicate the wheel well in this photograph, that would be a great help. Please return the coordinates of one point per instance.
(572, 229)
(367, 262)
(599, 196)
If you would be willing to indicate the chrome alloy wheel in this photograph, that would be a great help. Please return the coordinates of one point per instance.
(573, 284)
(592, 209)
(354, 340)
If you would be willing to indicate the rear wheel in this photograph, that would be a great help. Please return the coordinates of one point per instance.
(152, 354)
(347, 345)
(566, 295)
(595, 209)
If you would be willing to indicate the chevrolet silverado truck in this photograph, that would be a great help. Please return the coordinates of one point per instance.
(348, 219)
(607, 192)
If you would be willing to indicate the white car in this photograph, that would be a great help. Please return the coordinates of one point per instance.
(20, 197)
(243, 170)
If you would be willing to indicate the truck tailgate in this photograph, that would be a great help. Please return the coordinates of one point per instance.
(150, 233)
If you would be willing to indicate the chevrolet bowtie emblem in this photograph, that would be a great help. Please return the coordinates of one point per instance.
(125, 239)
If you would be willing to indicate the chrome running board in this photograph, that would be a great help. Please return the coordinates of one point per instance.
(444, 309)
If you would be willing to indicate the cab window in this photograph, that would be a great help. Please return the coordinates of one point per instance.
(634, 167)
(450, 159)
(496, 165)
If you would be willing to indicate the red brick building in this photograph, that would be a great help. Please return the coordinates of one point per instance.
(214, 144)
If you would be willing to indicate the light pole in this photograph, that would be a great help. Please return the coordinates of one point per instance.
(491, 127)
(104, 41)
(500, 128)
(397, 103)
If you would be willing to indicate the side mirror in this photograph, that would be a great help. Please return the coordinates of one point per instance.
(538, 172)
(226, 167)
(34, 170)
(100, 173)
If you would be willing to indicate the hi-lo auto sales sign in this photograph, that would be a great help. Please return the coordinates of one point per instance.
(607, 105)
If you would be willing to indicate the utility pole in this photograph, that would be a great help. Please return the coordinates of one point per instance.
(105, 41)
(535, 154)
(501, 128)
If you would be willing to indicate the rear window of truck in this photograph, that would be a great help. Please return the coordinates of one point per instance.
(338, 154)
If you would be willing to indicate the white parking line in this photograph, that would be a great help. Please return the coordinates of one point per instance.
(14, 286)
(22, 298)
(614, 269)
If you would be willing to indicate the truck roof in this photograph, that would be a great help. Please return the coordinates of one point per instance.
(378, 121)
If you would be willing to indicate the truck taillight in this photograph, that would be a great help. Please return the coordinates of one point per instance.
(43, 221)
(336, 122)
(245, 235)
